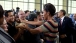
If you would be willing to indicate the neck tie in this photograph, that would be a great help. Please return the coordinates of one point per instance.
(60, 21)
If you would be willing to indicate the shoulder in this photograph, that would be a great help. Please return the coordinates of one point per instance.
(1, 29)
(67, 18)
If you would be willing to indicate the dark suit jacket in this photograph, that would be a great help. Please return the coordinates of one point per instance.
(67, 28)
(5, 37)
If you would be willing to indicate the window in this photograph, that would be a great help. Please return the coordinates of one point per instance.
(14, 0)
(50, 1)
(42, 6)
(73, 3)
(44, 1)
(60, 2)
(31, 6)
(56, 8)
(25, 6)
(37, 7)
(14, 5)
(60, 8)
(69, 3)
(2, 3)
(55, 2)
(31, 0)
(73, 10)
(8, 0)
(19, 0)
(8, 5)
(69, 9)
(25, 0)
(20, 5)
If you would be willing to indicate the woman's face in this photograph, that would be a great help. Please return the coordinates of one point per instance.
(4, 25)
(45, 14)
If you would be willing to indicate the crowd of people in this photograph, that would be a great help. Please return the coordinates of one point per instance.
(37, 27)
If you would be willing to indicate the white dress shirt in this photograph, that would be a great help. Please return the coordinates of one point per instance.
(62, 19)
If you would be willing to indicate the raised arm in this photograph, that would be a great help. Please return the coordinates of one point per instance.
(34, 22)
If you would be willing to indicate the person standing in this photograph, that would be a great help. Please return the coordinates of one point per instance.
(74, 22)
(49, 27)
(4, 36)
(65, 27)
(11, 23)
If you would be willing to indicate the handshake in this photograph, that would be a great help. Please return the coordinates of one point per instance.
(21, 26)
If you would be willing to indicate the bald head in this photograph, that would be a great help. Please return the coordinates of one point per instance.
(74, 16)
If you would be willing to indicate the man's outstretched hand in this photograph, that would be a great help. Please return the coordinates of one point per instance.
(21, 25)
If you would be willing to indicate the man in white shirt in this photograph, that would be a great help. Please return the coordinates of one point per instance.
(65, 27)
(62, 19)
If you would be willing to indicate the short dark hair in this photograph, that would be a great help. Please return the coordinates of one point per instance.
(50, 8)
(17, 8)
(26, 11)
(38, 13)
(64, 12)
(6, 13)
(32, 16)
(1, 11)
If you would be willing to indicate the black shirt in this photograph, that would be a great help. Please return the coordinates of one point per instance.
(31, 38)
(12, 29)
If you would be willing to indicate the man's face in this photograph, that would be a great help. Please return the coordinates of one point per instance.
(27, 13)
(11, 17)
(4, 25)
(42, 16)
(60, 13)
(45, 14)
(39, 17)
(74, 16)
(22, 15)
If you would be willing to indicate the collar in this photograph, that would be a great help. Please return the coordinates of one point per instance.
(62, 18)
(1, 29)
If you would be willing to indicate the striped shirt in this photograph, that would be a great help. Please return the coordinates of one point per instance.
(50, 30)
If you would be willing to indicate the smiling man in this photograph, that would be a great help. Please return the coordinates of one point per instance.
(4, 36)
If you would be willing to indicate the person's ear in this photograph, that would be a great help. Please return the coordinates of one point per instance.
(6, 17)
(48, 13)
